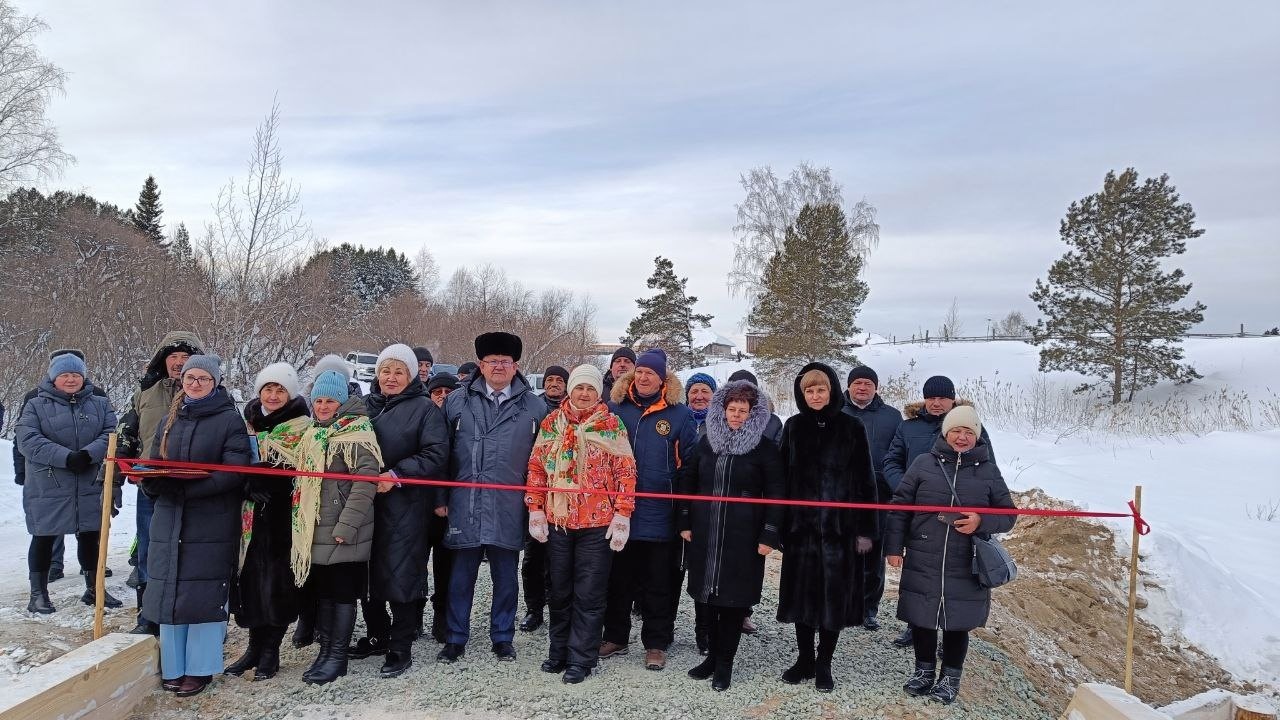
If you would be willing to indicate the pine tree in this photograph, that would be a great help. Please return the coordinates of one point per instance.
(667, 319)
(1108, 306)
(180, 246)
(146, 214)
(371, 277)
(812, 292)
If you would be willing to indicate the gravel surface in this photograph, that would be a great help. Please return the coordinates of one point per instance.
(869, 673)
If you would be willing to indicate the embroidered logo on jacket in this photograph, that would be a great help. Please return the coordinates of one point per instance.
(663, 427)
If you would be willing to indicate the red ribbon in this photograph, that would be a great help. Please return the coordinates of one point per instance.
(126, 465)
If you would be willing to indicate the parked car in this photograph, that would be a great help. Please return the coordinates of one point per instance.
(444, 369)
(535, 382)
(364, 364)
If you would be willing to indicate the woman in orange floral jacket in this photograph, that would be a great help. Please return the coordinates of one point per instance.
(581, 450)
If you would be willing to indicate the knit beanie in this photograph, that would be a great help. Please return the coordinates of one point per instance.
(423, 355)
(655, 359)
(623, 352)
(556, 371)
(939, 386)
(696, 378)
(862, 372)
(961, 416)
(589, 374)
(66, 363)
(211, 364)
(745, 375)
(334, 363)
(401, 352)
(281, 374)
(330, 384)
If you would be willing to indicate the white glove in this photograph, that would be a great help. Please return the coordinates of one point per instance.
(538, 525)
(618, 532)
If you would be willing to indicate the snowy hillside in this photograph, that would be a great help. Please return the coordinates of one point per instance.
(1209, 550)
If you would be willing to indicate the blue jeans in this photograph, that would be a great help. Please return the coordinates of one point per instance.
(191, 649)
(503, 571)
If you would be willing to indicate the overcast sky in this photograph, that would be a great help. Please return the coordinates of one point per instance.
(571, 142)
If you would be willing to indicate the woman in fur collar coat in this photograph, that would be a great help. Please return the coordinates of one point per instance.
(827, 458)
(729, 541)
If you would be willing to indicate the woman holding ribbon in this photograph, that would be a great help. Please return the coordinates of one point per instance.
(581, 454)
(195, 530)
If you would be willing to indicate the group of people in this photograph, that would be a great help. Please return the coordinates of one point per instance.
(273, 549)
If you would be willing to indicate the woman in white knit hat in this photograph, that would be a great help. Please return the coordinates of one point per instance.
(263, 597)
(581, 450)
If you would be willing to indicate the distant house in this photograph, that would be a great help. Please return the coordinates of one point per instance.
(604, 349)
(713, 344)
(753, 343)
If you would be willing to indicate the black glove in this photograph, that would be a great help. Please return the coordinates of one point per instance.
(259, 489)
(79, 461)
(157, 486)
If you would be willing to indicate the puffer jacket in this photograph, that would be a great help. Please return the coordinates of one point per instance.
(195, 531)
(490, 445)
(346, 506)
(938, 588)
(53, 425)
(914, 437)
(664, 437)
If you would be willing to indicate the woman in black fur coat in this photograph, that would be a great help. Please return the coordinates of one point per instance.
(827, 458)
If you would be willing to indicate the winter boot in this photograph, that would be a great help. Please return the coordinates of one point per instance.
(304, 633)
(340, 626)
(702, 628)
(90, 596)
(921, 681)
(947, 687)
(144, 626)
(723, 675)
(827, 640)
(39, 602)
(134, 579)
(249, 660)
(269, 659)
(324, 618)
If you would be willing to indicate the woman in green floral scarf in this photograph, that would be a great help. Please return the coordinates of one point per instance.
(332, 519)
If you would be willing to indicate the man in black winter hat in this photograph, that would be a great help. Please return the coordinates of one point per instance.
(425, 361)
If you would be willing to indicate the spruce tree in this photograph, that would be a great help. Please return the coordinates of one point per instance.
(180, 246)
(812, 291)
(146, 214)
(667, 319)
(1109, 307)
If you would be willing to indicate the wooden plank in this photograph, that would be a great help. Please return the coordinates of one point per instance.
(104, 679)
(1095, 701)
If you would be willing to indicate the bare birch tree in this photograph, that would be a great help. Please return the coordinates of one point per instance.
(29, 145)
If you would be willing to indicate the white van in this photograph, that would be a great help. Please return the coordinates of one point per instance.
(364, 364)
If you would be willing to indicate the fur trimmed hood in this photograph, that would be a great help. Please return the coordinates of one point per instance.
(177, 340)
(672, 388)
(744, 439)
(911, 411)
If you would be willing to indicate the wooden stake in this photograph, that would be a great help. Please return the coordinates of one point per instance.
(1133, 595)
(104, 532)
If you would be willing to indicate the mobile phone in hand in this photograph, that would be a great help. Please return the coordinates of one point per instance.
(949, 518)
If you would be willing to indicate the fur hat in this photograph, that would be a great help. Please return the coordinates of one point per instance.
(330, 384)
(67, 363)
(588, 374)
(401, 352)
(654, 359)
(699, 378)
(423, 355)
(211, 364)
(556, 371)
(334, 363)
(939, 386)
(961, 416)
(862, 372)
(443, 380)
(282, 374)
(498, 343)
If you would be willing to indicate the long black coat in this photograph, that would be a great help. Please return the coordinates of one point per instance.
(414, 440)
(827, 458)
(264, 593)
(725, 566)
(195, 532)
(938, 588)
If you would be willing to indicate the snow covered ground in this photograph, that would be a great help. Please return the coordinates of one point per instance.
(1218, 564)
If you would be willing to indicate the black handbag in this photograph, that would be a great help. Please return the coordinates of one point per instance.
(992, 564)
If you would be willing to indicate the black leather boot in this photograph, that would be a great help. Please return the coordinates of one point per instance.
(304, 633)
(90, 596)
(324, 618)
(39, 602)
(269, 659)
(342, 621)
(249, 659)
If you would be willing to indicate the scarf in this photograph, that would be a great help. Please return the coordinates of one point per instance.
(569, 431)
(304, 445)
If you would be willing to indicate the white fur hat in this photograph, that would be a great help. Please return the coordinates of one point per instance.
(400, 352)
(282, 374)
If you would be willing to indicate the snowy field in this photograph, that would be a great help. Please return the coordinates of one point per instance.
(1216, 561)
